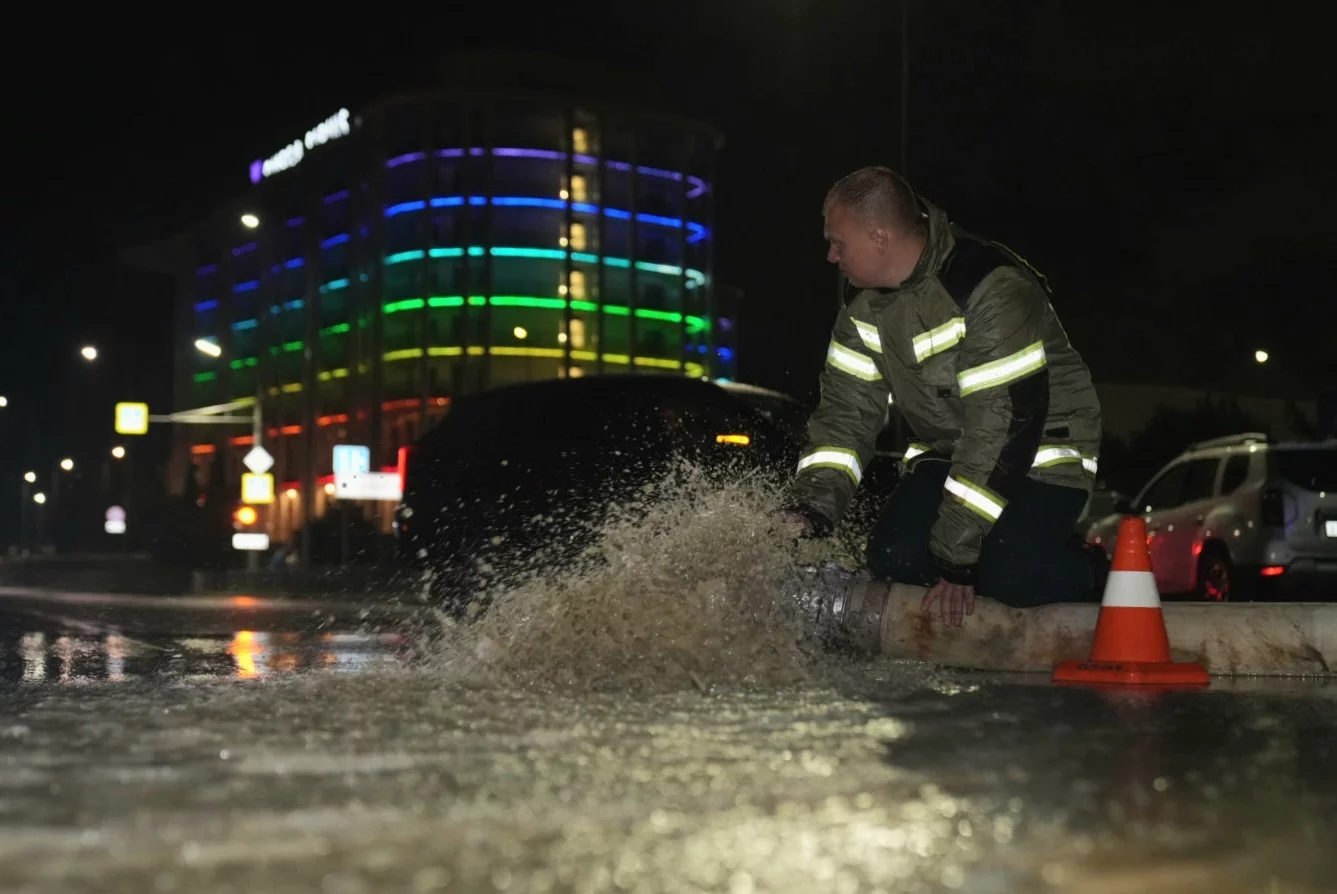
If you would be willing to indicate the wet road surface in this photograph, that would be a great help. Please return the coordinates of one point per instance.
(226, 745)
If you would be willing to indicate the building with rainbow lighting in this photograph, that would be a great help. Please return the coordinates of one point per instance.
(387, 260)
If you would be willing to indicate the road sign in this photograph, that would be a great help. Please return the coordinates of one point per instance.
(132, 419)
(250, 541)
(350, 460)
(257, 488)
(369, 486)
(258, 460)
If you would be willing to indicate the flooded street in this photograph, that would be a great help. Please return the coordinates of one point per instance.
(335, 762)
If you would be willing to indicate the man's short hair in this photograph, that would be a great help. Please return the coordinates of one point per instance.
(878, 193)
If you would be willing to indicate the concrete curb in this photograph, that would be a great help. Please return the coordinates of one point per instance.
(1263, 639)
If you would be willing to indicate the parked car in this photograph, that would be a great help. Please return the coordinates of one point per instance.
(1239, 516)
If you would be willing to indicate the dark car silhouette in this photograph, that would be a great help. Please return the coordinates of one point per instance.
(522, 476)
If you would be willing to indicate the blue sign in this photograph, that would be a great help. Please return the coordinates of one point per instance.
(350, 460)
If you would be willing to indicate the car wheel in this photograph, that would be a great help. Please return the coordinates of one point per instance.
(1216, 576)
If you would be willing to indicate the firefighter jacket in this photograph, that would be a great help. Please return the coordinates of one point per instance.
(971, 354)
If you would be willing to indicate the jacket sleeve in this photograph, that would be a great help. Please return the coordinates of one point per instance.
(842, 432)
(1003, 381)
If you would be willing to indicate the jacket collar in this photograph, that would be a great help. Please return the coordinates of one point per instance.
(939, 245)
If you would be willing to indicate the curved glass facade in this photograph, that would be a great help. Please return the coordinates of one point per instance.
(446, 245)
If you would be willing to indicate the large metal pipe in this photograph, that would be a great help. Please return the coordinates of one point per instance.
(1268, 639)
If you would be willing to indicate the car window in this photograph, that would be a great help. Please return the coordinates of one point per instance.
(1165, 491)
(1235, 474)
(1199, 479)
(789, 415)
(1313, 469)
(701, 417)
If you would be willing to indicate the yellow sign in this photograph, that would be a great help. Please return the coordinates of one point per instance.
(132, 419)
(257, 488)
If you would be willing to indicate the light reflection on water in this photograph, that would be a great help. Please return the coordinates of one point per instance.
(76, 659)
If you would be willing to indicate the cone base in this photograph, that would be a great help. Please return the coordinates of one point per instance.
(1132, 673)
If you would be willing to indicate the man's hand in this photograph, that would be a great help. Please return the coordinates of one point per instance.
(958, 600)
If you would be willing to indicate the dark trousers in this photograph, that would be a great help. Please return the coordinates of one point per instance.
(1030, 556)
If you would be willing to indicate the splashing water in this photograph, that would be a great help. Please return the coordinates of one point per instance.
(693, 585)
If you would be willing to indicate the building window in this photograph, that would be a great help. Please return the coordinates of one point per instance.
(577, 239)
(577, 334)
(579, 191)
(577, 290)
(655, 250)
(580, 140)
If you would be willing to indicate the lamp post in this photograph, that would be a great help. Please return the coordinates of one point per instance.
(25, 497)
(204, 346)
(212, 349)
(65, 466)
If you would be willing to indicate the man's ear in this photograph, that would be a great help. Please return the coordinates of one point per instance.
(881, 239)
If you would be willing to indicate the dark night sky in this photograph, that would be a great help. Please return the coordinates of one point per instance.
(1169, 166)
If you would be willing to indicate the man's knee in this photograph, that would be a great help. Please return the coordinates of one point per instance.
(1022, 579)
(902, 561)
(1004, 579)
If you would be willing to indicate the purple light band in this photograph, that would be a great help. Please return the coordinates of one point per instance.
(243, 249)
(698, 185)
(336, 197)
(207, 269)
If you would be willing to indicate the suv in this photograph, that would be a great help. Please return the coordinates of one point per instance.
(1237, 516)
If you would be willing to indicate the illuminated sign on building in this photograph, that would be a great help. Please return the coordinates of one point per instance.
(332, 128)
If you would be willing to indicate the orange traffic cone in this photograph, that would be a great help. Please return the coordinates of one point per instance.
(1131, 645)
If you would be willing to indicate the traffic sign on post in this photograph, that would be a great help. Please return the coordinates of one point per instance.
(250, 540)
(350, 460)
(132, 418)
(257, 488)
(258, 460)
(382, 486)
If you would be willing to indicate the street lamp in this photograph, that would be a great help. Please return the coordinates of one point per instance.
(39, 498)
(1260, 356)
(213, 349)
(520, 332)
(118, 452)
(67, 464)
(250, 221)
(89, 353)
(4, 401)
(30, 477)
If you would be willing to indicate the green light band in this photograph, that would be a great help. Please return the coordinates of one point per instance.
(694, 324)
(694, 370)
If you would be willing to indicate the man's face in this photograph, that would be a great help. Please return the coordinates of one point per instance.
(857, 246)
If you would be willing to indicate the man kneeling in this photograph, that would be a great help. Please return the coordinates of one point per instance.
(958, 333)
